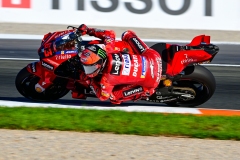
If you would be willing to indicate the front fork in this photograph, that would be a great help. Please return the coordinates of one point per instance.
(46, 76)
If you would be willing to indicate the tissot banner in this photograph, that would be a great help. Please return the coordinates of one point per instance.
(175, 14)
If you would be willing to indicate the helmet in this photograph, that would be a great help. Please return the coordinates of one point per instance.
(93, 59)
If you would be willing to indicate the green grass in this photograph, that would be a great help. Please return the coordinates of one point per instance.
(120, 122)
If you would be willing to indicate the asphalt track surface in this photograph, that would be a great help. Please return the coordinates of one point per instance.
(227, 94)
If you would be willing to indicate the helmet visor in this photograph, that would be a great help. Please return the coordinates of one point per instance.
(90, 69)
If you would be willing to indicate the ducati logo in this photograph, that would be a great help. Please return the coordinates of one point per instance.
(135, 69)
(152, 68)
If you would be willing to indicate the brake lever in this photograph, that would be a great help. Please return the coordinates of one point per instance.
(71, 27)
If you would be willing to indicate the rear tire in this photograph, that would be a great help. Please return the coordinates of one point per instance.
(201, 80)
(25, 84)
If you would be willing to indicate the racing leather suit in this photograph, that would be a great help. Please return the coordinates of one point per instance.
(127, 76)
(132, 71)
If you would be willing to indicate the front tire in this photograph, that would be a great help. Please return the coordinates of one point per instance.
(25, 84)
(201, 80)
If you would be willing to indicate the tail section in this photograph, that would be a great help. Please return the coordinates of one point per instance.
(176, 58)
(186, 57)
(199, 50)
(201, 39)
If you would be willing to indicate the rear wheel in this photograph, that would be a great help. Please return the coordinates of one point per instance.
(25, 84)
(201, 80)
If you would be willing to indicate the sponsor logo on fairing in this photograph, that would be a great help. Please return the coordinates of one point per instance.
(152, 68)
(92, 88)
(132, 91)
(135, 68)
(139, 46)
(71, 52)
(88, 92)
(63, 56)
(159, 69)
(66, 52)
(33, 67)
(187, 60)
(127, 64)
(116, 64)
(143, 67)
(62, 33)
(163, 100)
(158, 93)
(48, 66)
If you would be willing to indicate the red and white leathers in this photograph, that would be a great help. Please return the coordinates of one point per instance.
(127, 76)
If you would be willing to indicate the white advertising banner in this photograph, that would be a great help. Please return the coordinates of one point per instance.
(174, 14)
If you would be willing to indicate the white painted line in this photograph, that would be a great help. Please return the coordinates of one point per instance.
(222, 65)
(32, 37)
(39, 37)
(213, 65)
(158, 109)
(19, 59)
(187, 41)
(20, 36)
(210, 109)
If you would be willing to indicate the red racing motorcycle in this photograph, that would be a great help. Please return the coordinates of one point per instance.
(189, 83)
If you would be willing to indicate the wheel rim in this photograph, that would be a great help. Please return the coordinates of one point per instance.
(51, 93)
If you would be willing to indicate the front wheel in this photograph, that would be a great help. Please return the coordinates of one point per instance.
(25, 84)
(201, 80)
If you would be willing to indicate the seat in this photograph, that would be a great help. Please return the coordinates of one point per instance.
(167, 53)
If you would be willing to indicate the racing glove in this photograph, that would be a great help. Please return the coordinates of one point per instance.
(83, 29)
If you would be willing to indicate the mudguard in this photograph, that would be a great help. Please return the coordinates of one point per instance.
(35, 68)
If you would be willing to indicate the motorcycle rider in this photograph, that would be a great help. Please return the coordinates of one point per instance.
(125, 76)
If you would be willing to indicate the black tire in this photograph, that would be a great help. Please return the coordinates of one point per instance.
(201, 80)
(25, 84)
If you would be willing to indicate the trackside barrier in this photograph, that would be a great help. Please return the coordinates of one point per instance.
(180, 14)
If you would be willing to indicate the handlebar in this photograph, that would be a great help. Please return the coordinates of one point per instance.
(71, 27)
(72, 36)
(76, 30)
(76, 35)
